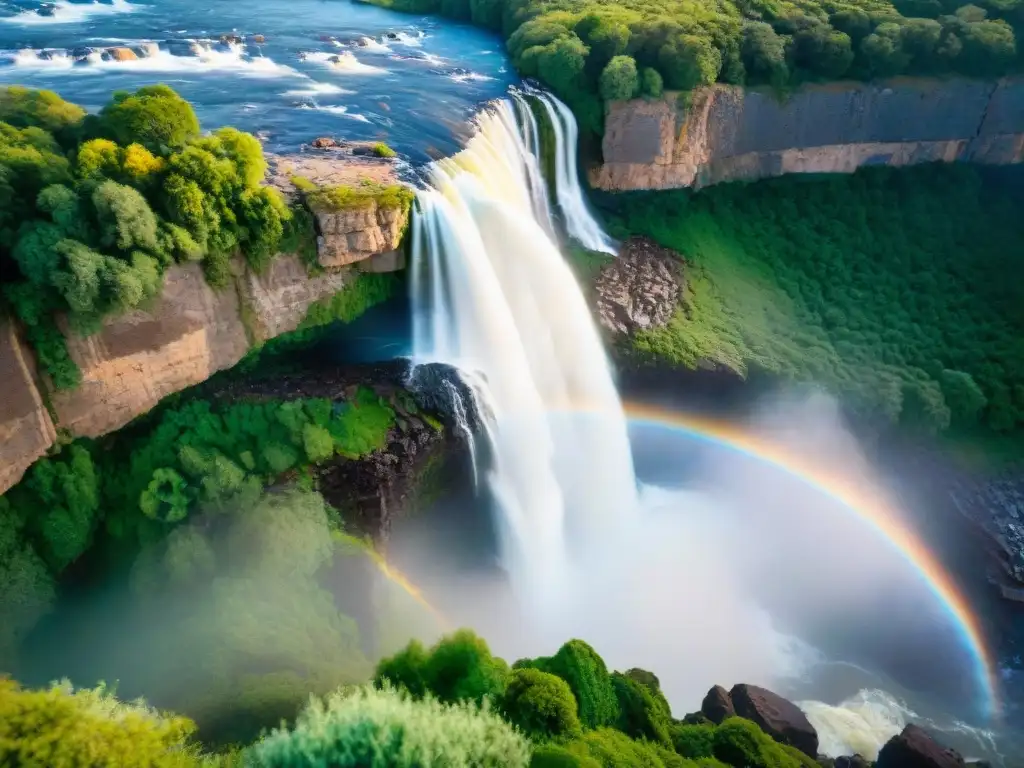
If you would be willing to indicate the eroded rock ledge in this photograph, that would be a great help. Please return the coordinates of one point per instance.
(729, 133)
(189, 333)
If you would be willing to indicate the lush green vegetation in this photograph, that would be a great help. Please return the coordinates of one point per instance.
(349, 198)
(134, 490)
(94, 208)
(586, 50)
(380, 149)
(899, 290)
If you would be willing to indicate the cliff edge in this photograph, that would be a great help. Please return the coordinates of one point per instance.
(727, 133)
(187, 334)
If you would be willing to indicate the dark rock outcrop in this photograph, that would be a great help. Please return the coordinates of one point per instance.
(915, 748)
(853, 761)
(640, 289)
(783, 720)
(441, 388)
(717, 705)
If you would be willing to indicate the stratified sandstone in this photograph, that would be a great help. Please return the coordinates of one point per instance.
(140, 357)
(354, 235)
(279, 298)
(728, 133)
(26, 431)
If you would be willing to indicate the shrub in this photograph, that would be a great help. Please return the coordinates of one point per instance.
(154, 116)
(370, 728)
(642, 716)
(585, 672)
(60, 726)
(540, 704)
(27, 107)
(380, 149)
(742, 744)
(555, 756)
(459, 667)
(619, 80)
(693, 741)
(650, 83)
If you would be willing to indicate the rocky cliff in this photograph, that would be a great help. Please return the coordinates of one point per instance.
(728, 133)
(184, 337)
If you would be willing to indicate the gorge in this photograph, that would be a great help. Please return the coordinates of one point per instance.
(221, 550)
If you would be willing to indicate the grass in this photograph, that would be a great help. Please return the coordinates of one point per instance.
(369, 194)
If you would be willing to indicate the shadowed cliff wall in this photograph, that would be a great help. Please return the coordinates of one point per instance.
(728, 133)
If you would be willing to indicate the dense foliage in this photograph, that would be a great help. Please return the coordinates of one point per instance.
(586, 49)
(526, 717)
(94, 208)
(60, 727)
(371, 728)
(346, 198)
(135, 488)
(899, 290)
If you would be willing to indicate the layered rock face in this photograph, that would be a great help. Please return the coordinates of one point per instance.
(350, 236)
(189, 333)
(728, 133)
(26, 430)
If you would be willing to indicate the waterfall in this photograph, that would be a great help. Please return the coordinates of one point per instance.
(580, 225)
(493, 297)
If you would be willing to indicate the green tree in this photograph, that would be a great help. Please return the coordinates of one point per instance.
(154, 116)
(619, 80)
(26, 587)
(963, 395)
(764, 53)
(651, 83)
(585, 672)
(165, 498)
(540, 704)
(883, 50)
(642, 714)
(689, 61)
(28, 107)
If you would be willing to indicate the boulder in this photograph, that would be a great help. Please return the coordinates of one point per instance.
(780, 718)
(259, 39)
(914, 748)
(851, 761)
(641, 289)
(323, 142)
(717, 705)
(121, 54)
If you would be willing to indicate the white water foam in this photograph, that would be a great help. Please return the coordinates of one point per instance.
(339, 110)
(207, 57)
(345, 61)
(370, 45)
(469, 77)
(495, 298)
(315, 89)
(69, 13)
(580, 224)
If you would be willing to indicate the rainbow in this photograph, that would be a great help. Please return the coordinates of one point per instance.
(861, 498)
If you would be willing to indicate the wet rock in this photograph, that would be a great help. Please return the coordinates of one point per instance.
(914, 748)
(853, 761)
(392, 35)
(148, 50)
(780, 718)
(259, 39)
(324, 142)
(80, 53)
(47, 9)
(441, 389)
(640, 289)
(230, 39)
(717, 705)
(121, 54)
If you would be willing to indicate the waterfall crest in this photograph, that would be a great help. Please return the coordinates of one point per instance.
(493, 297)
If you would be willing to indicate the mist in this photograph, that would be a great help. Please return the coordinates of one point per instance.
(730, 570)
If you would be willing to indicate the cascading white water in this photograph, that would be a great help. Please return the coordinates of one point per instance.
(580, 225)
(493, 296)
